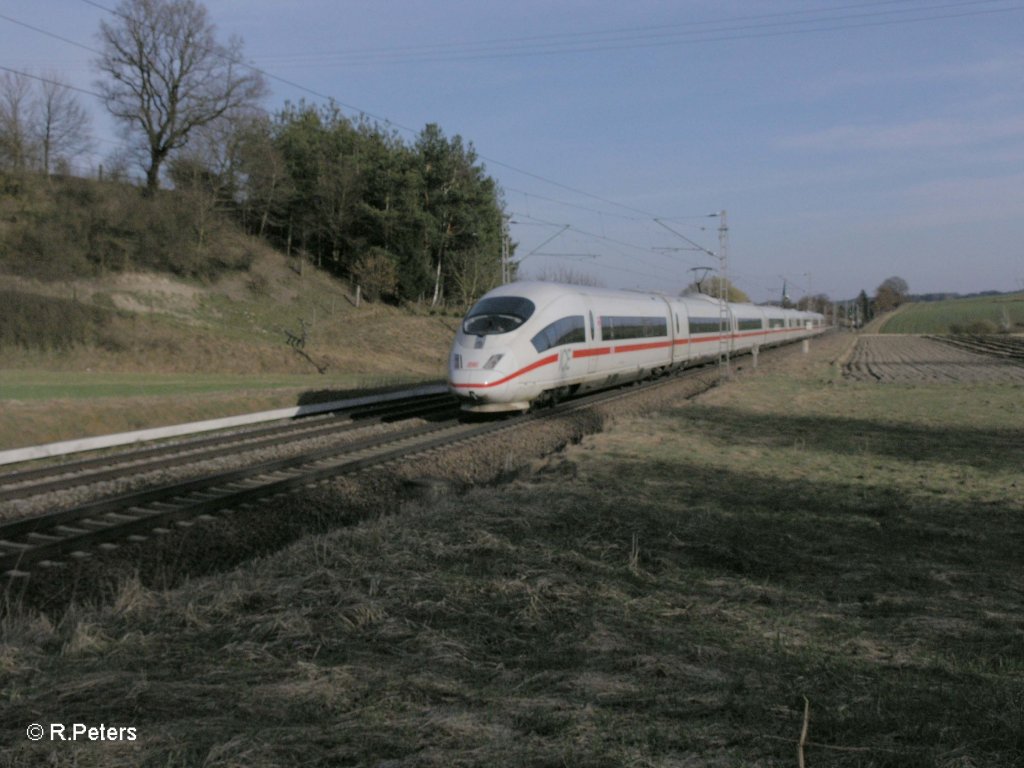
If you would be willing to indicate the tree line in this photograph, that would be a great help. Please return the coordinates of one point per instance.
(418, 220)
(405, 220)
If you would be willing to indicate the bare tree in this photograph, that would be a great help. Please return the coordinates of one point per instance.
(267, 185)
(16, 107)
(891, 293)
(168, 75)
(61, 124)
(567, 275)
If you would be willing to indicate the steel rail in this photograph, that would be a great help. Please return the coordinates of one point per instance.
(78, 474)
(42, 538)
(31, 540)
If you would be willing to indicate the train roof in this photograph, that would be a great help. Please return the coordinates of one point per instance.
(542, 292)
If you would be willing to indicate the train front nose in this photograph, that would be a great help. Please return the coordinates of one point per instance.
(480, 377)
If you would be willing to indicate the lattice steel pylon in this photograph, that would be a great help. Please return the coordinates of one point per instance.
(724, 316)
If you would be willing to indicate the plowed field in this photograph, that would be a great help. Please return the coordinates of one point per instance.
(912, 359)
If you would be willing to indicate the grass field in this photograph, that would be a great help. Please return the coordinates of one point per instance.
(39, 407)
(682, 590)
(28, 385)
(986, 314)
(166, 351)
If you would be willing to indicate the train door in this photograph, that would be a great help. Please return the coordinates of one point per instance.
(594, 337)
(673, 331)
(684, 349)
(570, 343)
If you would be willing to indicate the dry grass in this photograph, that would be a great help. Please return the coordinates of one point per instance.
(157, 329)
(664, 594)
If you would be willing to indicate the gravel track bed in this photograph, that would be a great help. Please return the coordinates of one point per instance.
(238, 535)
(235, 459)
(917, 359)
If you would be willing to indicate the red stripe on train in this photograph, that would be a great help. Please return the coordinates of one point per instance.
(533, 366)
(641, 347)
(595, 351)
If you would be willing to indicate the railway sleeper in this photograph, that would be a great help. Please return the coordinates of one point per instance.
(67, 530)
(204, 496)
(162, 506)
(43, 537)
(122, 517)
(97, 524)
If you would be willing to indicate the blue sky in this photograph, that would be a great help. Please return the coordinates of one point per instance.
(848, 140)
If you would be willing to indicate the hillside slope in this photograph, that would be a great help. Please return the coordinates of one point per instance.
(248, 322)
(131, 350)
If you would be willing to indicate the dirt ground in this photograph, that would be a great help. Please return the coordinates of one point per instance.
(918, 359)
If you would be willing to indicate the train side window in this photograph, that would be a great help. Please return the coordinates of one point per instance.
(707, 324)
(615, 328)
(750, 324)
(567, 330)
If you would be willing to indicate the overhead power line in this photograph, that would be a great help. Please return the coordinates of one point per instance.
(51, 81)
(386, 121)
(640, 215)
(812, 21)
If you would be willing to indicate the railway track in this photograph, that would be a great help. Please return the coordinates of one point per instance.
(52, 478)
(78, 531)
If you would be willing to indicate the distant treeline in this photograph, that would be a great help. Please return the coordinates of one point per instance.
(945, 296)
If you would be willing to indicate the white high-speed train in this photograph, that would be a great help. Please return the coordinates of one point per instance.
(530, 342)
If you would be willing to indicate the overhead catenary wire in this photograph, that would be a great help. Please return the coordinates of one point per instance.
(706, 31)
(384, 120)
(846, 16)
(662, 29)
(638, 214)
(668, 272)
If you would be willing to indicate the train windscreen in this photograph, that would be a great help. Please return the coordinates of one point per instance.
(498, 314)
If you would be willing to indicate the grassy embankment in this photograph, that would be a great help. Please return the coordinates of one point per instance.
(984, 314)
(673, 592)
(100, 355)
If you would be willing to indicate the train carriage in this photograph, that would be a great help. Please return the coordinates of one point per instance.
(529, 342)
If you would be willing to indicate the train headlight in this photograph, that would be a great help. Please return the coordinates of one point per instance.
(492, 361)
